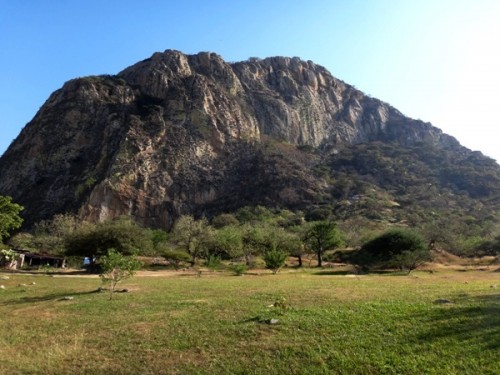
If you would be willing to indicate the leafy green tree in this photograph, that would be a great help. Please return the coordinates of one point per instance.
(298, 252)
(224, 220)
(193, 236)
(410, 260)
(288, 219)
(253, 238)
(23, 241)
(120, 234)
(175, 257)
(399, 248)
(48, 236)
(158, 238)
(321, 236)
(318, 214)
(484, 247)
(59, 226)
(254, 214)
(9, 216)
(116, 267)
(227, 242)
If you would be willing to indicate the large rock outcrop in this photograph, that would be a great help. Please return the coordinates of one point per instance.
(179, 133)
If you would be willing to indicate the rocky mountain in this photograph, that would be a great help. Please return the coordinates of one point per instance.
(177, 134)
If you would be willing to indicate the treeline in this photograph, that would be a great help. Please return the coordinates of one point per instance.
(248, 235)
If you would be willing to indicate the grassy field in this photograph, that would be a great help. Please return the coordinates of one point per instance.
(216, 324)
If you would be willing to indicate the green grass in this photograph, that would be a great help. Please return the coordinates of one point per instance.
(374, 324)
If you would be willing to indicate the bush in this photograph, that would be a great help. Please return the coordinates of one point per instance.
(275, 259)
(395, 248)
(213, 262)
(223, 220)
(8, 258)
(478, 247)
(318, 214)
(176, 257)
(239, 269)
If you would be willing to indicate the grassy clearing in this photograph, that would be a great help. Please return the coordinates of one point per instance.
(374, 324)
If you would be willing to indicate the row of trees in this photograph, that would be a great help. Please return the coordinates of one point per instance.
(250, 232)
(272, 235)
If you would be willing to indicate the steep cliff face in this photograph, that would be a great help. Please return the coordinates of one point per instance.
(178, 134)
(302, 103)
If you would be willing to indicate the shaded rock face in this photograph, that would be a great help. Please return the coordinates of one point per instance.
(177, 134)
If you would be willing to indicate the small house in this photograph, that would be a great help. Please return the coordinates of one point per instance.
(28, 258)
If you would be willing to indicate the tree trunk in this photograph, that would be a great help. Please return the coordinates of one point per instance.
(248, 260)
(320, 261)
(299, 258)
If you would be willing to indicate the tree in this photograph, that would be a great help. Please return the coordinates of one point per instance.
(291, 243)
(175, 257)
(255, 214)
(399, 248)
(23, 241)
(50, 235)
(192, 235)
(253, 237)
(120, 234)
(227, 242)
(318, 214)
(116, 267)
(158, 238)
(410, 260)
(298, 252)
(321, 236)
(224, 220)
(9, 216)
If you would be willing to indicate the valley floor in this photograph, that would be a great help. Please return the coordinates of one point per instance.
(327, 322)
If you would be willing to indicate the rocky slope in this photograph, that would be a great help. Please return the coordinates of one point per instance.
(179, 133)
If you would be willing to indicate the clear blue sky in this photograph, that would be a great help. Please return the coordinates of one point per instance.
(437, 60)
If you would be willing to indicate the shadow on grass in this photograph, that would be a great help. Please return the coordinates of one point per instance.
(51, 273)
(255, 319)
(333, 273)
(470, 320)
(325, 272)
(162, 267)
(48, 297)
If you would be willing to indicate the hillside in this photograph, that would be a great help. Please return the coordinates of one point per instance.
(177, 134)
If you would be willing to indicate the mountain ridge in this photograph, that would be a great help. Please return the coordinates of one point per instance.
(176, 134)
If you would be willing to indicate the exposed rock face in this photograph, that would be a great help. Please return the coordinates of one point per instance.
(180, 134)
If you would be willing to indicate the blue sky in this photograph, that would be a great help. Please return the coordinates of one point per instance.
(436, 60)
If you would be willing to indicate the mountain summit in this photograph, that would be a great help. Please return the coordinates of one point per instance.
(177, 134)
